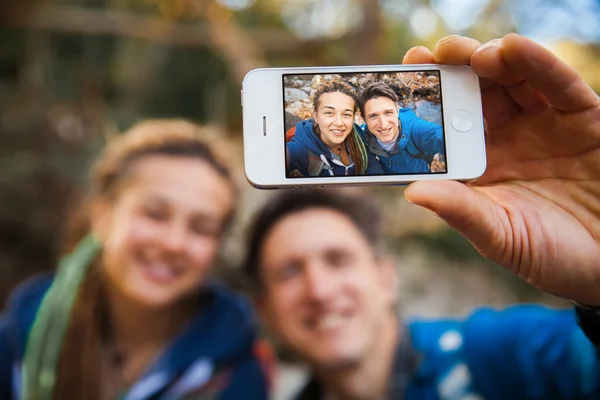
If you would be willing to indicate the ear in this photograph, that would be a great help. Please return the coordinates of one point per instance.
(100, 218)
(389, 278)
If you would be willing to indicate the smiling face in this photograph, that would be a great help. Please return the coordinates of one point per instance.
(326, 294)
(335, 117)
(381, 117)
(161, 233)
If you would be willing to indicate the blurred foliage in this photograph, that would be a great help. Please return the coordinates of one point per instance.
(75, 72)
(448, 245)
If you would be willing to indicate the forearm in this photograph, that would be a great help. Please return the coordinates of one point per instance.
(432, 142)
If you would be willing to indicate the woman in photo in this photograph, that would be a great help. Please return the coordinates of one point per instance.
(130, 313)
(330, 144)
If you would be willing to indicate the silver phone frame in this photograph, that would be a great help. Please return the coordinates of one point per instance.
(264, 133)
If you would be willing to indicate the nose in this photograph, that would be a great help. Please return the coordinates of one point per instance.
(320, 285)
(175, 238)
(383, 122)
(338, 120)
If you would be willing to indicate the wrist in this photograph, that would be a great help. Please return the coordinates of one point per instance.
(586, 307)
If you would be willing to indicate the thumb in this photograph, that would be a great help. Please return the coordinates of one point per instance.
(465, 209)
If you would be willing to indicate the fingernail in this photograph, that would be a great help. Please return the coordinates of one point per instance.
(447, 39)
(492, 44)
(413, 49)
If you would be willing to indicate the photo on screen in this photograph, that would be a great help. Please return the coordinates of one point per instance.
(384, 123)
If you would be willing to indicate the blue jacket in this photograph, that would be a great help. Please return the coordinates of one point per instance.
(217, 344)
(525, 352)
(419, 140)
(306, 140)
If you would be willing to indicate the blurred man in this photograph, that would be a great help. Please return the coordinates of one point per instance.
(326, 292)
(402, 142)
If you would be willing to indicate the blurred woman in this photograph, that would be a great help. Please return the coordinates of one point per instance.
(130, 313)
(330, 144)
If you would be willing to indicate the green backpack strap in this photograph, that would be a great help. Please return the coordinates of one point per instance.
(46, 337)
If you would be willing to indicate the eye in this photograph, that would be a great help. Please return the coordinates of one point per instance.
(390, 113)
(328, 113)
(348, 115)
(204, 227)
(288, 271)
(338, 258)
(156, 214)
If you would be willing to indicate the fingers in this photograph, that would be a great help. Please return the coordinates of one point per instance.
(455, 50)
(558, 82)
(487, 62)
(418, 55)
(471, 212)
(516, 74)
(529, 99)
(452, 50)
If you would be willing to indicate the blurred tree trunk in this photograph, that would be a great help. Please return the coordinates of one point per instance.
(366, 39)
(237, 47)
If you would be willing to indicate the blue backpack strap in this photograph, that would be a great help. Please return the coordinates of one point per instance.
(443, 373)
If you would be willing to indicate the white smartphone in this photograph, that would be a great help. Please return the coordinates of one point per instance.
(362, 125)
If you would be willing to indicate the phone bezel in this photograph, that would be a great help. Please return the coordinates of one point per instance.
(264, 154)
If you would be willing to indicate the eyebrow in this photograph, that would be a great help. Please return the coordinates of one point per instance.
(333, 108)
(157, 199)
(383, 111)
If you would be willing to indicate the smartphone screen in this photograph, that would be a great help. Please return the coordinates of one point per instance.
(352, 124)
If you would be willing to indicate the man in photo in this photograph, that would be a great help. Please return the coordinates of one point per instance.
(402, 142)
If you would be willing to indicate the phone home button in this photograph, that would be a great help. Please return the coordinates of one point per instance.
(462, 120)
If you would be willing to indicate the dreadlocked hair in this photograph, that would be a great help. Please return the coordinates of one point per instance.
(354, 142)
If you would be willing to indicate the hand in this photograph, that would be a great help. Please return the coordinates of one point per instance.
(438, 164)
(295, 174)
(536, 210)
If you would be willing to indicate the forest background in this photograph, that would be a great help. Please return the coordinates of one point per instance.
(74, 73)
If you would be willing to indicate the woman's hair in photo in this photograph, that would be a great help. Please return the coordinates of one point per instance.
(372, 91)
(356, 147)
(79, 373)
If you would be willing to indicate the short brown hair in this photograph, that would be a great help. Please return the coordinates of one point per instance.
(372, 91)
(362, 211)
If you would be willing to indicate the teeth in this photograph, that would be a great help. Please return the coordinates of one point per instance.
(162, 271)
(330, 321)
